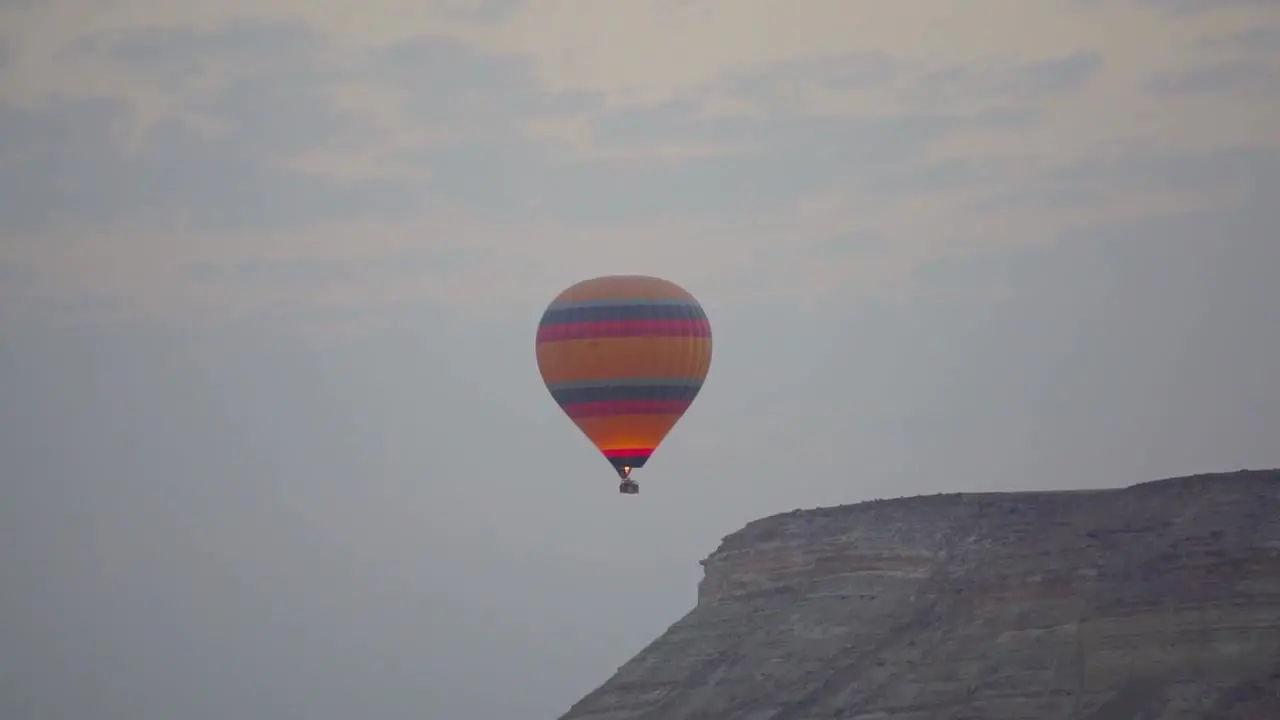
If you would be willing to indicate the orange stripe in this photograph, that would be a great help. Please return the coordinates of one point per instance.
(627, 431)
(605, 358)
(623, 287)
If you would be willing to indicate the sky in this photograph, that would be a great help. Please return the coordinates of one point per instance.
(273, 443)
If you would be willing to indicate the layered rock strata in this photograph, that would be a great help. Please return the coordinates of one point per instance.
(1160, 600)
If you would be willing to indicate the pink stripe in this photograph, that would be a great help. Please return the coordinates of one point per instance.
(626, 407)
(628, 452)
(624, 328)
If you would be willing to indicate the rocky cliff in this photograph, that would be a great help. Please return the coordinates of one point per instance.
(1156, 601)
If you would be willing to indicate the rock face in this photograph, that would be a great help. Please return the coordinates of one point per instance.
(1156, 601)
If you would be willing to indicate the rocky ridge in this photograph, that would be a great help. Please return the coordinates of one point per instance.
(1156, 601)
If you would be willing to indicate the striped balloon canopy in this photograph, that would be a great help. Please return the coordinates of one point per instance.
(624, 356)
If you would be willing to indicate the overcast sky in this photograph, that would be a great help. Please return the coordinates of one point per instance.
(273, 439)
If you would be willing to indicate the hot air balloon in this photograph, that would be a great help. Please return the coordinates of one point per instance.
(624, 356)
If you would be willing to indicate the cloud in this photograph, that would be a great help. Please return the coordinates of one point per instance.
(1137, 175)
(225, 157)
(792, 82)
(249, 276)
(1198, 6)
(760, 163)
(1004, 83)
(1258, 40)
(256, 45)
(448, 82)
(1223, 78)
(71, 172)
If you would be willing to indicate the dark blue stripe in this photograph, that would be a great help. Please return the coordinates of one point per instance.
(631, 462)
(609, 393)
(633, 311)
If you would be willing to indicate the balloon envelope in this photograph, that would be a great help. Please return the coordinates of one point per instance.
(624, 356)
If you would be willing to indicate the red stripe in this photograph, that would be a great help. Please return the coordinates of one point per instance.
(624, 328)
(626, 407)
(628, 452)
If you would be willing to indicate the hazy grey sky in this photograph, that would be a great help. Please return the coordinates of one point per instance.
(274, 442)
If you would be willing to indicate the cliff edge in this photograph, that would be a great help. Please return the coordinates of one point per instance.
(1159, 600)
